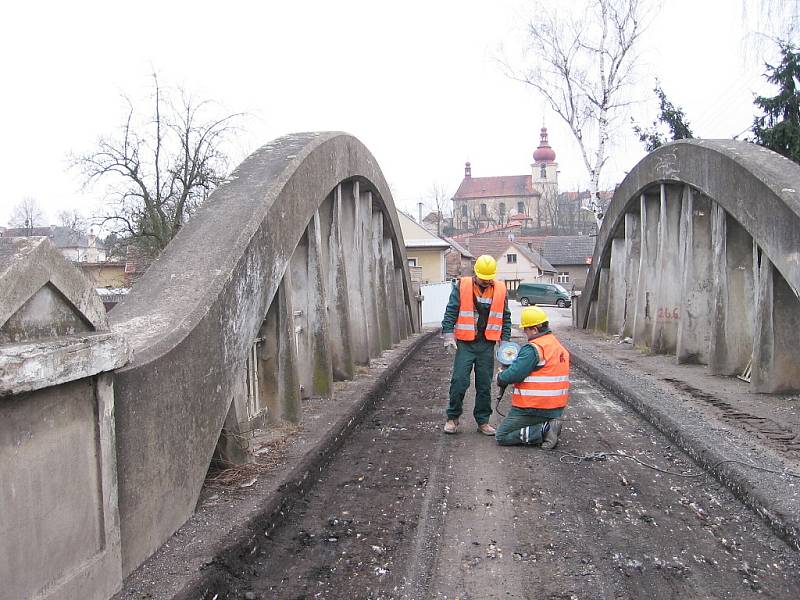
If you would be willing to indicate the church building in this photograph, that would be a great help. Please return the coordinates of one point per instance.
(530, 200)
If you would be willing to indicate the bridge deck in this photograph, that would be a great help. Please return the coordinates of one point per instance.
(403, 511)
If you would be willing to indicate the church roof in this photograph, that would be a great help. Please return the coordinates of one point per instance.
(495, 187)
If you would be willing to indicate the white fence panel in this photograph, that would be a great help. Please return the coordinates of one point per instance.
(435, 296)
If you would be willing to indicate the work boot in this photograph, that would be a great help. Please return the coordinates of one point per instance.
(550, 432)
(486, 429)
(451, 426)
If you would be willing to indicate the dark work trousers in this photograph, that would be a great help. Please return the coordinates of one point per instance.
(479, 354)
(524, 425)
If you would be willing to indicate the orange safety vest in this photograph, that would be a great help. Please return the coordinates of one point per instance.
(467, 321)
(547, 386)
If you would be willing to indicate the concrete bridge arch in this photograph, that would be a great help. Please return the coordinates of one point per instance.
(292, 274)
(699, 255)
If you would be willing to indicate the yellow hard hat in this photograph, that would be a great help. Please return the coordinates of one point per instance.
(532, 316)
(485, 267)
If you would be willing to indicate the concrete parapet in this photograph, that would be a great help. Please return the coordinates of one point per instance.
(269, 287)
(707, 264)
(59, 517)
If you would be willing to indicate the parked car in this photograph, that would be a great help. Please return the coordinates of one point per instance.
(543, 293)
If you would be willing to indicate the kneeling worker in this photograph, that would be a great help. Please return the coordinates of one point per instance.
(540, 376)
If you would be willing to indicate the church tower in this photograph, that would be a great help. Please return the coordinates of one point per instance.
(544, 180)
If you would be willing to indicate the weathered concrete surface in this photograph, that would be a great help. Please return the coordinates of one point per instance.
(647, 285)
(35, 365)
(633, 243)
(35, 280)
(616, 287)
(694, 331)
(194, 316)
(775, 368)
(59, 521)
(755, 205)
(732, 325)
(668, 265)
(223, 525)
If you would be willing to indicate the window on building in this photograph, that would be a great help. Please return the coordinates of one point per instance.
(543, 171)
(483, 210)
(563, 277)
(511, 258)
(412, 261)
(501, 208)
(512, 284)
(463, 210)
(521, 207)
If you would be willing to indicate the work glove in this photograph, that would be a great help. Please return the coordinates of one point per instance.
(449, 342)
(500, 384)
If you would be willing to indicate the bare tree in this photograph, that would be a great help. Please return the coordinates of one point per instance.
(581, 66)
(549, 209)
(72, 219)
(160, 169)
(27, 214)
(438, 202)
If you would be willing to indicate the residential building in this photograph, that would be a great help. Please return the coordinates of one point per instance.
(74, 245)
(459, 260)
(571, 256)
(518, 263)
(424, 250)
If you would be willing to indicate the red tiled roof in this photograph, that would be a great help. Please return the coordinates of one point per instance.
(493, 187)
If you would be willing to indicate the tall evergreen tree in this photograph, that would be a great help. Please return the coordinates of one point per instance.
(779, 127)
(670, 115)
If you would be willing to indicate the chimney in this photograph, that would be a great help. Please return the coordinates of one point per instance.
(419, 207)
(467, 170)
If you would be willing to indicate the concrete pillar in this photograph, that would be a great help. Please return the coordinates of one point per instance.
(298, 265)
(601, 317)
(279, 383)
(318, 321)
(352, 242)
(592, 319)
(403, 315)
(369, 280)
(697, 282)
(616, 287)
(731, 340)
(381, 297)
(776, 367)
(668, 267)
(633, 243)
(338, 301)
(647, 285)
(390, 289)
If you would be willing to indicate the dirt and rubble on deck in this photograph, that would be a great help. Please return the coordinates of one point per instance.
(404, 512)
(773, 420)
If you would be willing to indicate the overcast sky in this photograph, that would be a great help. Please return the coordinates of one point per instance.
(416, 81)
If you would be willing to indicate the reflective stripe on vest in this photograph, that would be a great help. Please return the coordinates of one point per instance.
(467, 321)
(548, 386)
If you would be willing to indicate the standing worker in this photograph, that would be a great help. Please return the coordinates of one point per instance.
(476, 317)
(540, 376)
